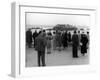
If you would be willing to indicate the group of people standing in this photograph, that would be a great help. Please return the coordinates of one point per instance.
(59, 40)
(80, 42)
(30, 38)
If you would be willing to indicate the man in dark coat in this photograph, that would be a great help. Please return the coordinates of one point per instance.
(29, 38)
(84, 41)
(40, 44)
(75, 43)
(35, 34)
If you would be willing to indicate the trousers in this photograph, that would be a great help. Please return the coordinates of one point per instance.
(41, 58)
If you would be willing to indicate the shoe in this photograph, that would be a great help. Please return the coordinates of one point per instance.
(43, 65)
(75, 57)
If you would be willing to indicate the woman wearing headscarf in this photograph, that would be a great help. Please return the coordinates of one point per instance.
(49, 38)
(84, 41)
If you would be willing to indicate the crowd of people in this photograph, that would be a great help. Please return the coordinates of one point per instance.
(45, 42)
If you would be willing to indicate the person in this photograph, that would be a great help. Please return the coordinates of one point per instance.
(62, 37)
(49, 38)
(40, 44)
(79, 36)
(44, 32)
(84, 42)
(65, 39)
(69, 38)
(88, 37)
(75, 43)
(35, 34)
(54, 40)
(29, 38)
(59, 40)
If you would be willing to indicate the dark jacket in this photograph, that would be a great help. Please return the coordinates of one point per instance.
(29, 37)
(40, 43)
(75, 40)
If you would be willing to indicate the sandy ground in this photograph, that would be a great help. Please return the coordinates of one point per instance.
(56, 58)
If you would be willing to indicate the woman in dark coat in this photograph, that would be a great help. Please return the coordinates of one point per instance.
(84, 41)
(29, 38)
(69, 37)
(75, 43)
(65, 39)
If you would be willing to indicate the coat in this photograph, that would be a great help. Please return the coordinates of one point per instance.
(40, 43)
(58, 40)
(29, 37)
(65, 39)
(84, 41)
(75, 41)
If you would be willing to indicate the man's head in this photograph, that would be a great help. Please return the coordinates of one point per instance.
(74, 32)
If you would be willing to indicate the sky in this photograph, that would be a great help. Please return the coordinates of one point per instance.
(53, 19)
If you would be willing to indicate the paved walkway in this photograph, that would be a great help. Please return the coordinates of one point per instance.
(56, 58)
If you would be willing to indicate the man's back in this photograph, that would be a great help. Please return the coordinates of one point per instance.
(75, 39)
(40, 43)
